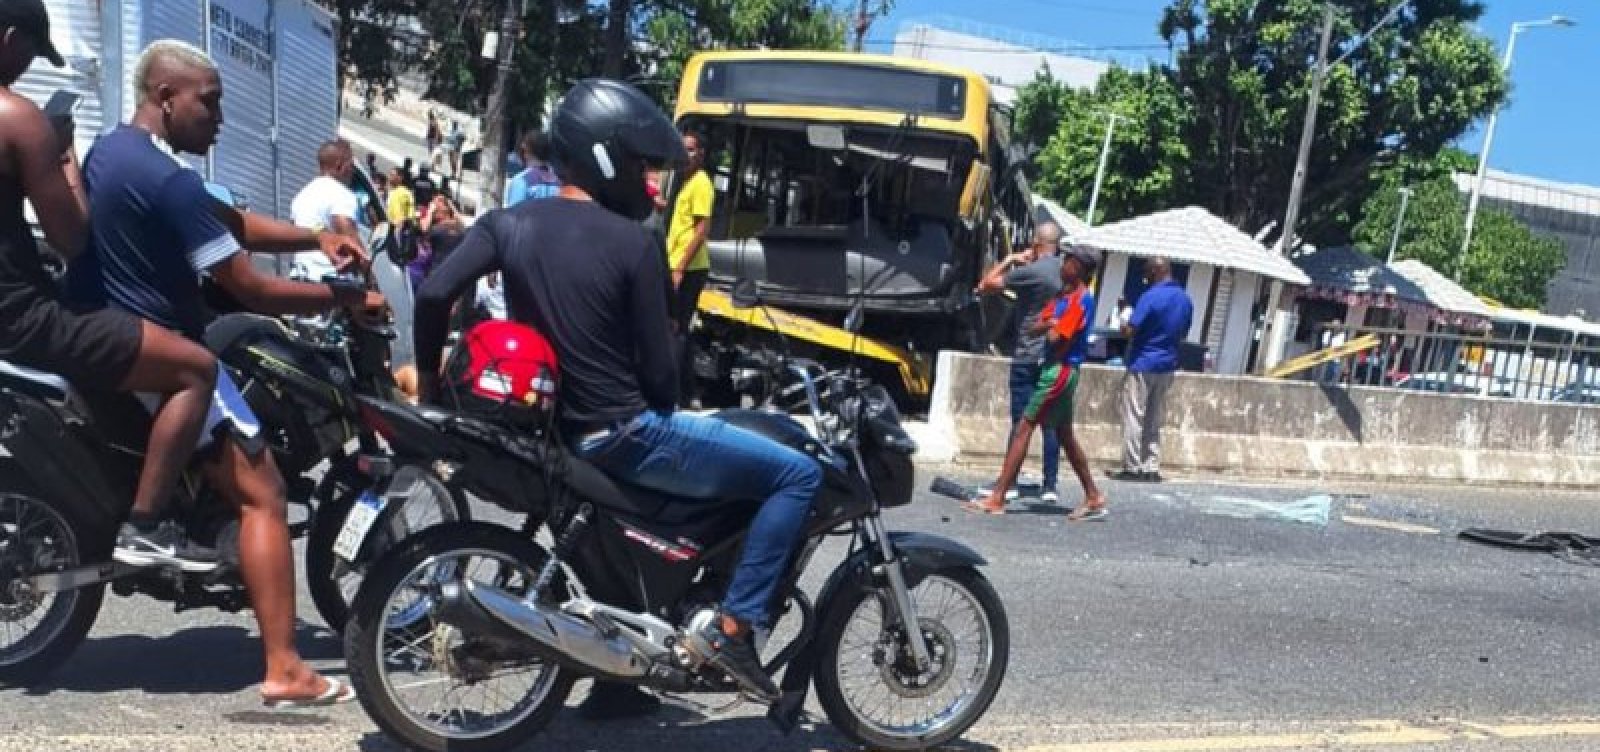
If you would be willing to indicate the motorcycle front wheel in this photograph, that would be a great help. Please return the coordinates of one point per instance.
(434, 686)
(869, 684)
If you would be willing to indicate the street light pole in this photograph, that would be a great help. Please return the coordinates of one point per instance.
(1488, 136)
(1100, 172)
(1399, 222)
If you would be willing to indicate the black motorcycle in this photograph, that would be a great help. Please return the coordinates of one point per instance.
(470, 635)
(69, 461)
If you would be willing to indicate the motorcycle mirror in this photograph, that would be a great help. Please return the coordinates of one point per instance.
(746, 294)
(382, 236)
(852, 320)
(225, 195)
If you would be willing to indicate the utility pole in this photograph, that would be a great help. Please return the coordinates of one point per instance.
(863, 20)
(1399, 222)
(1307, 133)
(492, 157)
(1272, 331)
(1100, 172)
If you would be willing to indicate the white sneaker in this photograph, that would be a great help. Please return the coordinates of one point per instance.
(1050, 497)
(1011, 495)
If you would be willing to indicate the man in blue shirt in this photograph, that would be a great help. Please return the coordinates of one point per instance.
(153, 230)
(1159, 324)
(538, 180)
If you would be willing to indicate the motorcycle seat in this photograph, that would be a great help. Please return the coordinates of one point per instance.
(637, 502)
(39, 384)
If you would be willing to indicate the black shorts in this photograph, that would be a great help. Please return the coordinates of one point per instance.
(92, 349)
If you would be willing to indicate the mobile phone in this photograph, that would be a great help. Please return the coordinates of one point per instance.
(63, 103)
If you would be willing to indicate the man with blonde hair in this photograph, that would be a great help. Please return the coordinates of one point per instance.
(153, 230)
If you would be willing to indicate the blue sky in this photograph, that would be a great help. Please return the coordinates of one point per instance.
(1551, 128)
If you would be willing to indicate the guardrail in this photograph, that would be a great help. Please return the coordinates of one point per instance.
(1452, 363)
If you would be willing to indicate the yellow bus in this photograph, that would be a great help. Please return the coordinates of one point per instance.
(844, 177)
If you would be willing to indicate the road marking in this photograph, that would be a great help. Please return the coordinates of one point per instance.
(1357, 734)
(1399, 527)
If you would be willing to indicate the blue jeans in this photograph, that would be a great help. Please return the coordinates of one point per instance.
(703, 458)
(1024, 379)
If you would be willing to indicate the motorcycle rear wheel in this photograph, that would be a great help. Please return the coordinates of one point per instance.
(37, 536)
(941, 702)
(379, 649)
(332, 581)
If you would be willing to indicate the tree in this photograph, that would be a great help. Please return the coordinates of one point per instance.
(1241, 79)
(1146, 161)
(1507, 261)
(679, 28)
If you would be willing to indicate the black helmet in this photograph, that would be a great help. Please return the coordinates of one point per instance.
(603, 135)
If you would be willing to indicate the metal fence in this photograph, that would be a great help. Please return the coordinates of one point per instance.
(1470, 364)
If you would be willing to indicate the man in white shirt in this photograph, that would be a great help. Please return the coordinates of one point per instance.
(326, 204)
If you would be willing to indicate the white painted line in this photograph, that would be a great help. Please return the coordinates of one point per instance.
(1399, 527)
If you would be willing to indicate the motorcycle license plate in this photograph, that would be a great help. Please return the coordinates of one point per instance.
(363, 514)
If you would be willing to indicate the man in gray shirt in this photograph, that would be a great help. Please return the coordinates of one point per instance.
(1033, 276)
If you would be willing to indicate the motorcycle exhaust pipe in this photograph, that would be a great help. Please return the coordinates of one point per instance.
(575, 639)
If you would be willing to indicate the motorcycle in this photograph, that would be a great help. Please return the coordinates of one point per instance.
(69, 461)
(469, 636)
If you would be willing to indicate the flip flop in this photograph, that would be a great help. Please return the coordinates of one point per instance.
(1085, 513)
(337, 693)
(977, 507)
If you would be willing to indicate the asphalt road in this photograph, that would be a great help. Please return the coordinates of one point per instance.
(1197, 617)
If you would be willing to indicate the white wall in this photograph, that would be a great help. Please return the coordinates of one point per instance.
(1239, 331)
(1112, 278)
(1199, 290)
(1008, 66)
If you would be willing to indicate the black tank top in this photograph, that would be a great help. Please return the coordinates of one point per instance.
(24, 283)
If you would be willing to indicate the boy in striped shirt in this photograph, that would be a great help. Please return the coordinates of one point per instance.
(1065, 322)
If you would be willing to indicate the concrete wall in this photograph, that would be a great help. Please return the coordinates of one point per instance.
(1241, 426)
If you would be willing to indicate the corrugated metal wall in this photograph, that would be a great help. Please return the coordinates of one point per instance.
(277, 61)
(308, 99)
(240, 40)
(75, 27)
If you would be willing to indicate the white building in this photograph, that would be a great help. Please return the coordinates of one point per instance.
(1570, 213)
(1009, 59)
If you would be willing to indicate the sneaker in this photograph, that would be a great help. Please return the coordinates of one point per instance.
(737, 658)
(1050, 496)
(165, 546)
(1011, 495)
(1128, 476)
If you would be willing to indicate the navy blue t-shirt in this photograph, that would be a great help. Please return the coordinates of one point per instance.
(1161, 320)
(152, 231)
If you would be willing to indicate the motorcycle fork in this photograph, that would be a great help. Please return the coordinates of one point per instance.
(892, 570)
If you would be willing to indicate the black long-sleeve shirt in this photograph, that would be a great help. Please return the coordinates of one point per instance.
(592, 282)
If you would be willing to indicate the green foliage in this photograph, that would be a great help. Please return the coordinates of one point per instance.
(1507, 261)
(562, 41)
(1220, 126)
(1147, 152)
(676, 29)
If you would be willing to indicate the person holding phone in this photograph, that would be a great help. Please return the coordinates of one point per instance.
(102, 348)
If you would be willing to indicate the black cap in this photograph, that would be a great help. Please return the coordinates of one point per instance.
(29, 17)
(1087, 256)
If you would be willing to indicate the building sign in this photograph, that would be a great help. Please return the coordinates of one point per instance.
(239, 39)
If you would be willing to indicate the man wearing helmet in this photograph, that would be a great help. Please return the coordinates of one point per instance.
(583, 271)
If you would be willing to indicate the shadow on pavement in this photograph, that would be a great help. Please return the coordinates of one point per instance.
(201, 660)
(678, 727)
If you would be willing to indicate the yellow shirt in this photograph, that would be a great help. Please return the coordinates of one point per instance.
(693, 205)
(402, 205)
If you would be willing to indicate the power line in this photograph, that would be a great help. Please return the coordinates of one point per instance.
(1026, 51)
